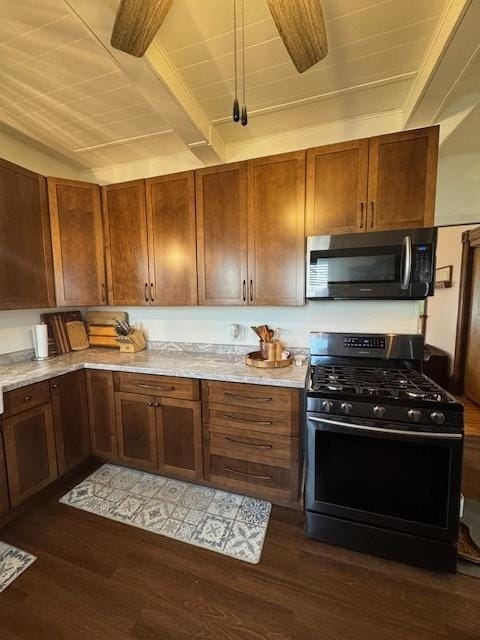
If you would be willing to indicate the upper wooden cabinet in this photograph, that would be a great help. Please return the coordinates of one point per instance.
(337, 188)
(250, 232)
(221, 204)
(376, 184)
(126, 243)
(276, 229)
(402, 179)
(77, 242)
(171, 236)
(26, 270)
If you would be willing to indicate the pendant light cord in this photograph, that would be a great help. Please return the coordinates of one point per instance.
(244, 105)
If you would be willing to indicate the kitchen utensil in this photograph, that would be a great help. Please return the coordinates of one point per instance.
(135, 341)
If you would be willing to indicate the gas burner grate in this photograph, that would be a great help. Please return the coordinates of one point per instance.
(376, 382)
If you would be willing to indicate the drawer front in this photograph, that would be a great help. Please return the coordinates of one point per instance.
(25, 398)
(162, 386)
(241, 474)
(251, 395)
(255, 447)
(219, 416)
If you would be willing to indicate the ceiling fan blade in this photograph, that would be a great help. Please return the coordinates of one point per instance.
(301, 26)
(136, 23)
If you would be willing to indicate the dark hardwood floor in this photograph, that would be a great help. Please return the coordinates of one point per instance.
(99, 579)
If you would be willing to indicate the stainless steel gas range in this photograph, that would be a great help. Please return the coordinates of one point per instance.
(384, 450)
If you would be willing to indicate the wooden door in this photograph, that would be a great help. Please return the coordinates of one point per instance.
(172, 238)
(101, 409)
(276, 230)
(4, 501)
(70, 418)
(222, 234)
(29, 441)
(26, 269)
(136, 428)
(336, 194)
(179, 438)
(472, 361)
(77, 241)
(126, 243)
(402, 179)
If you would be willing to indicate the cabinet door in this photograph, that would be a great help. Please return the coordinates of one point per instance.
(172, 241)
(402, 179)
(179, 438)
(126, 245)
(26, 270)
(29, 452)
(4, 501)
(222, 234)
(276, 242)
(137, 435)
(77, 241)
(70, 417)
(101, 409)
(337, 188)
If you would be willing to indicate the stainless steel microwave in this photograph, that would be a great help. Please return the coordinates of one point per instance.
(382, 265)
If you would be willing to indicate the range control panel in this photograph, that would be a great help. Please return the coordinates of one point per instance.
(364, 342)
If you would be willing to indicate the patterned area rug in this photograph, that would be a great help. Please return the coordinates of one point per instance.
(223, 522)
(13, 562)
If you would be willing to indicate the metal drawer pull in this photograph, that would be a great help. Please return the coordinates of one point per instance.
(154, 386)
(27, 398)
(234, 395)
(249, 444)
(250, 475)
(226, 415)
(146, 291)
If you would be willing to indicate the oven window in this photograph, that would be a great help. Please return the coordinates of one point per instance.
(385, 477)
(346, 269)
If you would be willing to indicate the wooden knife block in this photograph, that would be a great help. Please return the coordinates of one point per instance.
(132, 343)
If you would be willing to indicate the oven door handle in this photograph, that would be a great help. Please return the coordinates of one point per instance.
(407, 264)
(398, 432)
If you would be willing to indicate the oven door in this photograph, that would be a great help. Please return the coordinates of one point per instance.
(391, 478)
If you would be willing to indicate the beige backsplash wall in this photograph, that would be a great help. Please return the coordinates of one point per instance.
(212, 324)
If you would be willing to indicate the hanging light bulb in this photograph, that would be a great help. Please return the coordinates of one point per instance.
(236, 106)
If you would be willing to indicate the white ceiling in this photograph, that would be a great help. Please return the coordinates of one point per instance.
(63, 85)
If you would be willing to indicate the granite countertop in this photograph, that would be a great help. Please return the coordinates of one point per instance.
(209, 366)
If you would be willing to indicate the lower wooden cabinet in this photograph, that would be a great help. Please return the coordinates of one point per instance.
(4, 501)
(30, 454)
(162, 434)
(179, 438)
(137, 431)
(70, 418)
(101, 409)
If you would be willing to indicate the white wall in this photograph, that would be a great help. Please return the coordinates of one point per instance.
(442, 309)
(458, 189)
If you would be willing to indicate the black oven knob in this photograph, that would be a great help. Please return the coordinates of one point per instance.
(437, 417)
(327, 406)
(346, 407)
(415, 415)
(379, 411)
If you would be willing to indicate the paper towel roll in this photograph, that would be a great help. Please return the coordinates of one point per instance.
(40, 340)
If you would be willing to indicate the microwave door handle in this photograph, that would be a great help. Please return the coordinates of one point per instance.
(407, 265)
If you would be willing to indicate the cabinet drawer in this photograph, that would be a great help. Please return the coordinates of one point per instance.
(219, 416)
(254, 477)
(163, 386)
(251, 395)
(255, 447)
(26, 398)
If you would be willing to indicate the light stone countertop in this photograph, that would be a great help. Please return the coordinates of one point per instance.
(208, 366)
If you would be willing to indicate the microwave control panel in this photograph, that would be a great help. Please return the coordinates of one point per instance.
(422, 263)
